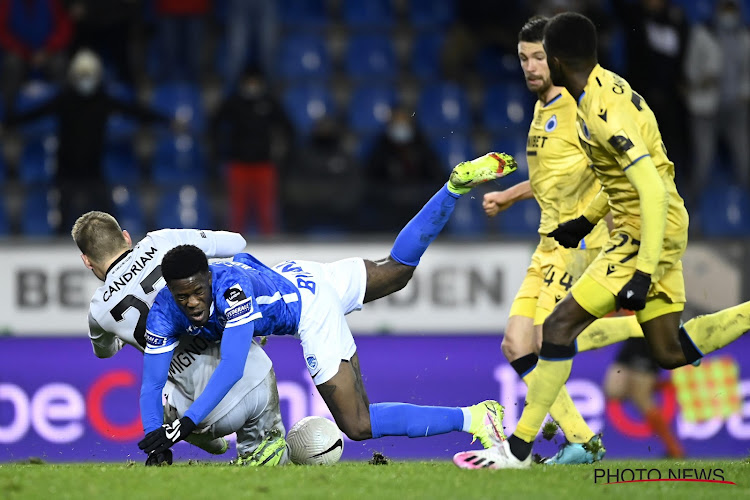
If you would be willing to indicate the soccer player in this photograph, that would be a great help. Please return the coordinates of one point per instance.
(639, 268)
(563, 184)
(232, 301)
(117, 316)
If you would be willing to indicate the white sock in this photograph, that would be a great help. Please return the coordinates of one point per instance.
(467, 419)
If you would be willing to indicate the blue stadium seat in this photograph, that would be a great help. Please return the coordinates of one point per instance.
(697, 11)
(371, 107)
(303, 14)
(443, 107)
(431, 13)
(32, 95)
(119, 127)
(370, 57)
(305, 104)
(127, 209)
(38, 160)
(4, 221)
(41, 212)
(303, 56)
(495, 65)
(425, 58)
(521, 219)
(507, 107)
(120, 164)
(178, 159)
(452, 149)
(377, 14)
(468, 218)
(184, 207)
(725, 211)
(183, 100)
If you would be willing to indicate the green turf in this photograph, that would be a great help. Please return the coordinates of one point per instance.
(359, 481)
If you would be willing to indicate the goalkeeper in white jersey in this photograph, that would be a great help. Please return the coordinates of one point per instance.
(117, 316)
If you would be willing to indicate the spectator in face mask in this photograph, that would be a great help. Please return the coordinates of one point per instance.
(82, 109)
(253, 122)
(717, 70)
(403, 170)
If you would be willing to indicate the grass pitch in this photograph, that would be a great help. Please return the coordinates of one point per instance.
(359, 481)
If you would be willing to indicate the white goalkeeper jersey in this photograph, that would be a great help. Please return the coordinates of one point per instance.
(118, 311)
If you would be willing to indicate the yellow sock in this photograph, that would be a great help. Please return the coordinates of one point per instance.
(606, 331)
(543, 390)
(565, 413)
(713, 331)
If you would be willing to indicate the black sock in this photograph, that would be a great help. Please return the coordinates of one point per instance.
(524, 364)
(520, 448)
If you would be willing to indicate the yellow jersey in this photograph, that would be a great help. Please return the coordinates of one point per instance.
(617, 129)
(559, 173)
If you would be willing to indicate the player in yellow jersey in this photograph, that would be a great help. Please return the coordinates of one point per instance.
(639, 268)
(563, 184)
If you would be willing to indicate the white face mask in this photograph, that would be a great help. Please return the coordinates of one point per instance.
(401, 133)
(86, 85)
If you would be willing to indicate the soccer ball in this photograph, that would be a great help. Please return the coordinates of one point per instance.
(315, 441)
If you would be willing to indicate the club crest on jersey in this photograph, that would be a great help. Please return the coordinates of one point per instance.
(312, 361)
(234, 295)
(551, 124)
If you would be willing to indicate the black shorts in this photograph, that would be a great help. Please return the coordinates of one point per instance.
(635, 355)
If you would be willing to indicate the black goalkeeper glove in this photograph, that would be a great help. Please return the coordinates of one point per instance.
(159, 459)
(633, 294)
(570, 233)
(165, 436)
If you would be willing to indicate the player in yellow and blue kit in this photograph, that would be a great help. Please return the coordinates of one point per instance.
(639, 268)
(231, 302)
(563, 184)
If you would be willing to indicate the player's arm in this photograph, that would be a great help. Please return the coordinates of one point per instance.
(213, 243)
(497, 201)
(653, 201)
(106, 344)
(598, 207)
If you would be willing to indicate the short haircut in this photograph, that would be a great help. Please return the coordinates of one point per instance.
(533, 30)
(570, 37)
(182, 262)
(98, 236)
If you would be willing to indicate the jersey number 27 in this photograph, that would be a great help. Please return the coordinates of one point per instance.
(147, 284)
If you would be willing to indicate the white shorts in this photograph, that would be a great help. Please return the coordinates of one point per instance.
(325, 336)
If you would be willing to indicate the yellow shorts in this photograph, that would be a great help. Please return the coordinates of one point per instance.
(549, 277)
(615, 265)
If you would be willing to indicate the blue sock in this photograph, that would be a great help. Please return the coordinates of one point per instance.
(417, 235)
(403, 419)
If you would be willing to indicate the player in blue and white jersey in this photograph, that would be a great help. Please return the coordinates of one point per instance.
(233, 301)
(131, 276)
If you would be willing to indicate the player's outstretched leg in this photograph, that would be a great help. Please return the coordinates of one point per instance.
(345, 396)
(391, 274)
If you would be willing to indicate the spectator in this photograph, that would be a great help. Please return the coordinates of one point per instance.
(33, 35)
(324, 185)
(251, 37)
(253, 121)
(656, 35)
(82, 109)
(717, 70)
(105, 26)
(402, 171)
(181, 29)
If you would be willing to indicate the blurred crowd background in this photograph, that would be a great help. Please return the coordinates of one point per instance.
(333, 117)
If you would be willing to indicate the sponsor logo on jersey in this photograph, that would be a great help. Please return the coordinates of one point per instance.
(312, 362)
(620, 142)
(551, 124)
(234, 295)
(239, 310)
(155, 340)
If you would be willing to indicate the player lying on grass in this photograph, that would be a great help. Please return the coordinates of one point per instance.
(232, 301)
(639, 268)
(563, 184)
(117, 316)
